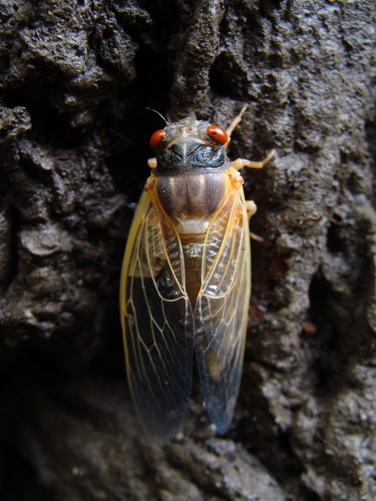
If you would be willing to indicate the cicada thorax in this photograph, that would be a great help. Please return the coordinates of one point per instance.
(190, 200)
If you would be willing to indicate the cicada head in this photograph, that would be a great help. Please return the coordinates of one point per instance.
(190, 146)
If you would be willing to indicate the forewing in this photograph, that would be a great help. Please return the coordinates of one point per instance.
(157, 322)
(222, 309)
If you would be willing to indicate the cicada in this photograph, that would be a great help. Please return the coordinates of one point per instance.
(185, 283)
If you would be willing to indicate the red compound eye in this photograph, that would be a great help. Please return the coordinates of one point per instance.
(156, 138)
(217, 133)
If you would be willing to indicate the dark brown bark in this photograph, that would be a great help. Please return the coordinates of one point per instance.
(76, 77)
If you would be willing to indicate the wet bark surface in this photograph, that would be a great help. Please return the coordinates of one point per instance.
(76, 77)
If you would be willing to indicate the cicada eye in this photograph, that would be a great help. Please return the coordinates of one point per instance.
(157, 138)
(217, 133)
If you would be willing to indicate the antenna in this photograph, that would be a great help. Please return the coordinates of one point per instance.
(160, 114)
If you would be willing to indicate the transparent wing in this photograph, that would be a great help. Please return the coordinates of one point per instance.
(221, 310)
(157, 322)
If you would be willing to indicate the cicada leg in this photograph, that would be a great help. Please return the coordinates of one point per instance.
(152, 163)
(250, 205)
(230, 129)
(239, 163)
(251, 208)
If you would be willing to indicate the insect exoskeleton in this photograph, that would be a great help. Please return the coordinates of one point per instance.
(185, 284)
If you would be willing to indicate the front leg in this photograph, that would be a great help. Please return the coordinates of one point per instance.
(152, 163)
(239, 163)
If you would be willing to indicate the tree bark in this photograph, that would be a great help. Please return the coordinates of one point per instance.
(76, 77)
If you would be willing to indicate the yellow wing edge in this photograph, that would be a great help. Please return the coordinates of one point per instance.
(247, 230)
(138, 218)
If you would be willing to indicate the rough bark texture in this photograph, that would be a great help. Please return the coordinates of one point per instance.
(76, 77)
